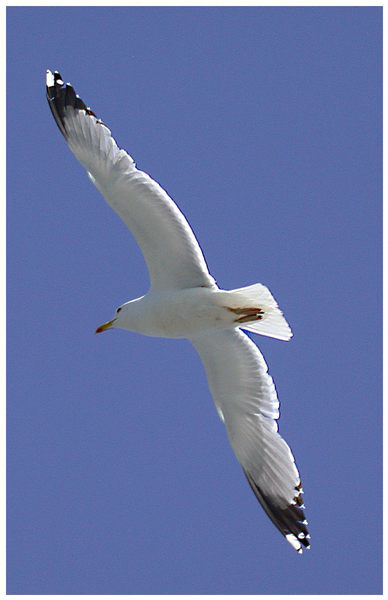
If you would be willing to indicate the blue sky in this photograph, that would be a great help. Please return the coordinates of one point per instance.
(264, 125)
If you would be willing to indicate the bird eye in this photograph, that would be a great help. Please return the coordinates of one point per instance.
(118, 310)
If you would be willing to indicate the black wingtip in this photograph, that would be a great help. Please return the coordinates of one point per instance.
(290, 521)
(59, 96)
(56, 94)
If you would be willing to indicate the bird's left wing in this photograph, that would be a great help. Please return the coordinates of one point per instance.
(171, 251)
(246, 401)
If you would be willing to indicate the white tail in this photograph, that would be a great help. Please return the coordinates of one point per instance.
(271, 322)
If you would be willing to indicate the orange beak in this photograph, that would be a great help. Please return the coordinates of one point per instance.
(105, 326)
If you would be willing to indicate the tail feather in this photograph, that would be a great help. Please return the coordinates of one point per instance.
(271, 321)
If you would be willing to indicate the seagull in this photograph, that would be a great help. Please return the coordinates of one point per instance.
(184, 301)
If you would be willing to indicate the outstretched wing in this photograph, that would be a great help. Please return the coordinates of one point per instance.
(173, 256)
(246, 400)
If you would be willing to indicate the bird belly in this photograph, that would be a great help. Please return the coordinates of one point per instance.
(182, 313)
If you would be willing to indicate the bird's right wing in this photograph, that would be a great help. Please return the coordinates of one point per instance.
(171, 251)
(246, 400)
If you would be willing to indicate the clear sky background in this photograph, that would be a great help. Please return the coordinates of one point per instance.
(264, 125)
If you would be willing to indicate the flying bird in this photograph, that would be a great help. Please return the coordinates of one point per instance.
(184, 302)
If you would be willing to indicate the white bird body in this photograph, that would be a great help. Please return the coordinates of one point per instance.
(183, 313)
(175, 314)
(185, 302)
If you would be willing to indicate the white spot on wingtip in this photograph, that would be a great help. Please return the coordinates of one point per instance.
(291, 539)
(49, 79)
